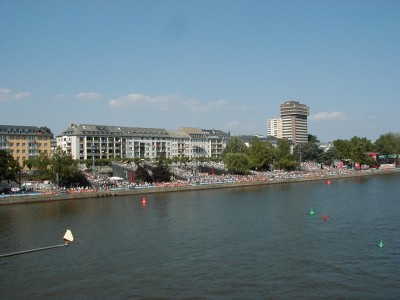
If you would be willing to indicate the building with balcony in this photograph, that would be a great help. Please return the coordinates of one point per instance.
(88, 141)
(180, 143)
(217, 141)
(25, 142)
(199, 144)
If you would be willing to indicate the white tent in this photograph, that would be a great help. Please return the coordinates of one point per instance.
(115, 178)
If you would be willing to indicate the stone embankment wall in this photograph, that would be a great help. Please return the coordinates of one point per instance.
(145, 191)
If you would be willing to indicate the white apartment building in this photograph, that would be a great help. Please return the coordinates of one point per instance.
(274, 128)
(88, 141)
(180, 143)
(217, 141)
(199, 144)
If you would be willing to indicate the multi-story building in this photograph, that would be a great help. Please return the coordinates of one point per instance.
(294, 122)
(199, 144)
(25, 142)
(148, 143)
(217, 141)
(180, 143)
(274, 128)
(292, 125)
(98, 141)
(88, 141)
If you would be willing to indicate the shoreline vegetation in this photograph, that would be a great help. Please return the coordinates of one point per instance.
(143, 191)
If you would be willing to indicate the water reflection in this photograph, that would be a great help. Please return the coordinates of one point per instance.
(243, 243)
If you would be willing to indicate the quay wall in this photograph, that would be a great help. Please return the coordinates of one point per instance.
(144, 191)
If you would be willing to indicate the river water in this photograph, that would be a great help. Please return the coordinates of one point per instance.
(236, 243)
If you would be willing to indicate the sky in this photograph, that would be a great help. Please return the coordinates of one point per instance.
(219, 64)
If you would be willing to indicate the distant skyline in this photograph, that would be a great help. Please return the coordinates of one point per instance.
(224, 64)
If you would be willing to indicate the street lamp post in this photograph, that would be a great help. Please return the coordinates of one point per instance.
(300, 150)
(93, 153)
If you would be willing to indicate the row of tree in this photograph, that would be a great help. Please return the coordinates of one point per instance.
(61, 168)
(263, 155)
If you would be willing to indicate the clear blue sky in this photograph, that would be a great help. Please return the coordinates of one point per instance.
(217, 64)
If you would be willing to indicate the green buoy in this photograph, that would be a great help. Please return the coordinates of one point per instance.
(380, 244)
(311, 213)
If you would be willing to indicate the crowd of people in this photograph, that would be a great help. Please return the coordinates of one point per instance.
(191, 174)
(194, 174)
(307, 170)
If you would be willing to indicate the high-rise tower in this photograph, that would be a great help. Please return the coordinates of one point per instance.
(294, 121)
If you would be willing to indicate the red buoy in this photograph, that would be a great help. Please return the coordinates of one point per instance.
(144, 201)
(329, 182)
(325, 217)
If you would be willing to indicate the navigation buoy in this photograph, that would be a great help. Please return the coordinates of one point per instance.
(311, 213)
(144, 201)
(380, 244)
(325, 218)
(329, 182)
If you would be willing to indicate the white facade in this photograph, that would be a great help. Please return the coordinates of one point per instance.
(103, 142)
(217, 141)
(274, 128)
(180, 144)
(199, 144)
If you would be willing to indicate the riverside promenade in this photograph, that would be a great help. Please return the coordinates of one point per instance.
(246, 181)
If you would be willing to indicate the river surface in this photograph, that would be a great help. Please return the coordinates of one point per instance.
(236, 243)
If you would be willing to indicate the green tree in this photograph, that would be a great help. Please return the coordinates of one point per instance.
(29, 163)
(313, 139)
(388, 144)
(42, 164)
(343, 149)
(367, 144)
(65, 169)
(284, 160)
(310, 152)
(286, 163)
(175, 159)
(9, 167)
(359, 150)
(161, 173)
(237, 163)
(142, 175)
(261, 154)
(235, 145)
(329, 157)
(183, 159)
